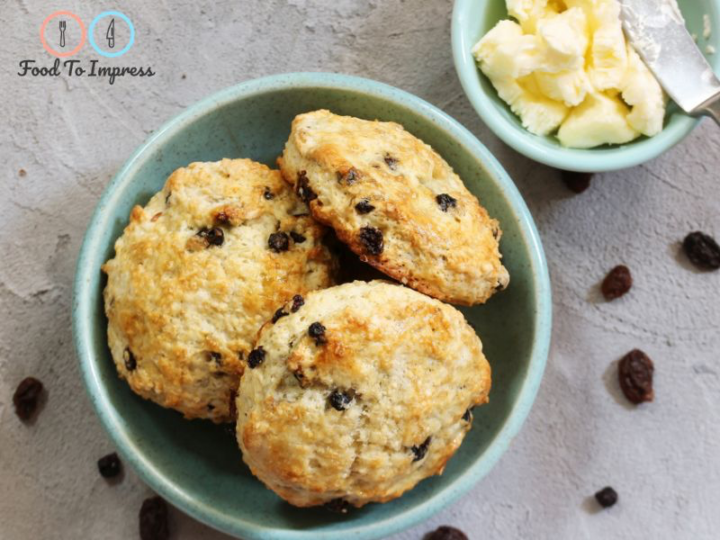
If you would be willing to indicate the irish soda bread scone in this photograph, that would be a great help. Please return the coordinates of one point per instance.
(360, 393)
(195, 275)
(397, 204)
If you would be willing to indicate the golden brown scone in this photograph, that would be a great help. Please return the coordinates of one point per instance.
(195, 275)
(397, 204)
(359, 394)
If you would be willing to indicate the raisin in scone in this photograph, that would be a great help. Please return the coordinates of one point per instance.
(397, 204)
(357, 393)
(197, 272)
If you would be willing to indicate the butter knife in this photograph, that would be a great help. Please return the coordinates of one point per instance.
(656, 29)
(110, 35)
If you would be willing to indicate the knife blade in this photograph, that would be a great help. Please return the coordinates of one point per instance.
(110, 35)
(656, 29)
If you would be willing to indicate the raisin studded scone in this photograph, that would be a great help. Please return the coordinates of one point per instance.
(397, 204)
(195, 275)
(358, 394)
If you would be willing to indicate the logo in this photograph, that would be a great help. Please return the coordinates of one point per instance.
(63, 34)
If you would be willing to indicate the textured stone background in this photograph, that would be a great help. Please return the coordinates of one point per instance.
(71, 135)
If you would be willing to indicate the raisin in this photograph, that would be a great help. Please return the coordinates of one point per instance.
(446, 533)
(22, 173)
(303, 189)
(216, 356)
(372, 240)
(297, 302)
(279, 314)
(297, 237)
(267, 194)
(702, 250)
(279, 242)
(617, 283)
(129, 358)
(391, 162)
(420, 451)
(154, 519)
(222, 217)
(338, 506)
(467, 416)
(606, 497)
(350, 177)
(27, 397)
(317, 332)
(214, 236)
(364, 207)
(576, 182)
(256, 357)
(109, 466)
(340, 400)
(445, 201)
(635, 373)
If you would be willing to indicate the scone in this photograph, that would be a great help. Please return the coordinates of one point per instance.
(195, 275)
(358, 394)
(397, 204)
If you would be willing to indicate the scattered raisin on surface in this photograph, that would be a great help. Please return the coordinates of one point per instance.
(222, 217)
(109, 466)
(338, 506)
(214, 355)
(297, 302)
(617, 283)
(635, 373)
(129, 358)
(154, 519)
(317, 332)
(350, 177)
(446, 532)
(372, 240)
(420, 451)
(340, 400)
(576, 182)
(214, 236)
(445, 201)
(702, 250)
(27, 397)
(279, 314)
(22, 173)
(279, 242)
(297, 237)
(364, 207)
(256, 357)
(267, 194)
(303, 189)
(391, 162)
(467, 416)
(606, 497)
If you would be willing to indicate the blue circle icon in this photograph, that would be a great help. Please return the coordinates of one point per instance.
(119, 15)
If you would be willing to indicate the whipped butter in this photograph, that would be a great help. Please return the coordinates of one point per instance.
(565, 68)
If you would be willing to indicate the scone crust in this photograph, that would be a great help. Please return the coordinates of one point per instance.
(446, 248)
(183, 312)
(413, 366)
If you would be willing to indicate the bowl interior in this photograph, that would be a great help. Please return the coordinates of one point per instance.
(472, 19)
(196, 464)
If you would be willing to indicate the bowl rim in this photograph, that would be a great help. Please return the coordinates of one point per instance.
(573, 159)
(113, 422)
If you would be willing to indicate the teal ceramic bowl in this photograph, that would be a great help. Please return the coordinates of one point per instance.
(197, 465)
(472, 19)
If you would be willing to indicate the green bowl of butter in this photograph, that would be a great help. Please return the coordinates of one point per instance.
(557, 81)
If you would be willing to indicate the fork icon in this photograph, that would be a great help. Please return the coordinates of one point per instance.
(63, 27)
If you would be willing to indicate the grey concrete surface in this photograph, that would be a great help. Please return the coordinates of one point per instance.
(70, 135)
